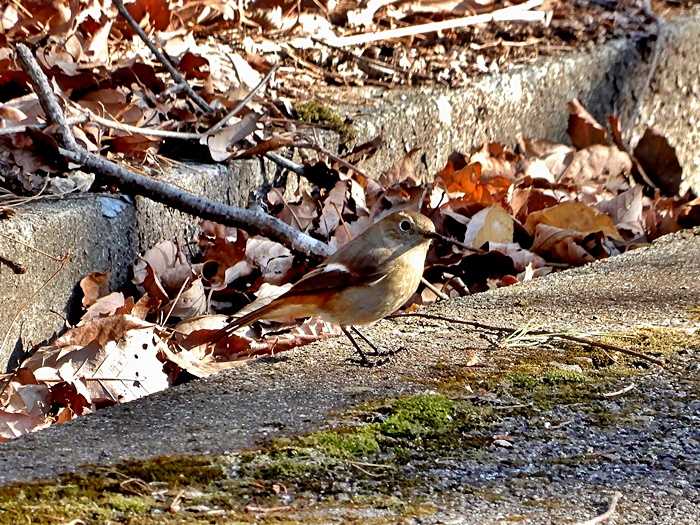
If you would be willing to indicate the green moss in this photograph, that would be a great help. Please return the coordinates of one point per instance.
(348, 443)
(420, 415)
(176, 470)
(129, 504)
(315, 113)
(99, 494)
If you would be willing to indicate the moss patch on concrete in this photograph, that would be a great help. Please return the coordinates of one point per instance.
(314, 112)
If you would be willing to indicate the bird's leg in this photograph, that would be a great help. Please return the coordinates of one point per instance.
(376, 351)
(363, 357)
(366, 339)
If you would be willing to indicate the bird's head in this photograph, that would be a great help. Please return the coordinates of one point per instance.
(408, 228)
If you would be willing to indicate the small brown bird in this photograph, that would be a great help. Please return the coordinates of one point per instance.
(365, 280)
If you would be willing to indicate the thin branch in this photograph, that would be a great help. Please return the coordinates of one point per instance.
(286, 163)
(442, 295)
(607, 514)
(253, 220)
(516, 13)
(620, 392)
(177, 76)
(151, 132)
(504, 330)
(216, 127)
(38, 127)
(332, 156)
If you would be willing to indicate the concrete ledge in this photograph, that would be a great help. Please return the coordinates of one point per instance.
(96, 232)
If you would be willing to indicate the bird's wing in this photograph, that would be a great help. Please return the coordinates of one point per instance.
(323, 281)
(333, 276)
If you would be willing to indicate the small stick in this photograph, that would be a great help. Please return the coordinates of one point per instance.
(607, 514)
(177, 76)
(520, 13)
(566, 337)
(216, 127)
(21, 129)
(442, 295)
(620, 392)
(332, 156)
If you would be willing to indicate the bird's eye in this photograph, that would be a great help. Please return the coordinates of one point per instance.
(405, 225)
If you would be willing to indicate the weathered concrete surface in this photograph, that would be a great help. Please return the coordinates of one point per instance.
(301, 390)
(95, 233)
(531, 100)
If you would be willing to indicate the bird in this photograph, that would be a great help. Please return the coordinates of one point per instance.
(367, 279)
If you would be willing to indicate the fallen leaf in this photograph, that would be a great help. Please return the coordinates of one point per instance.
(402, 170)
(94, 285)
(626, 210)
(602, 166)
(272, 259)
(220, 141)
(104, 306)
(584, 130)
(574, 216)
(491, 224)
(658, 159)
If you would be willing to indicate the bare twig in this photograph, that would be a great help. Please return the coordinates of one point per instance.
(442, 295)
(216, 127)
(21, 129)
(607, 514)
(320, 149)
(177, 76)
(620, 392)
(152, 132)
(504, 330)
(519, 13)
(252, 220)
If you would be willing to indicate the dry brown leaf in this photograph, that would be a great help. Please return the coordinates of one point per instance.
(492, 224)
(560, 245)
(626, 210)
(606, 167)
(301, 213)
(333, 206)
(104, 306)
(402, 170)
(190, 303)
(660, 162)
(94, 285)
(574, 216)
(584, 130)
(466, 182)
(522, 258)
(168, 264)
(524, 201)
(220, 142)
(272, 259)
